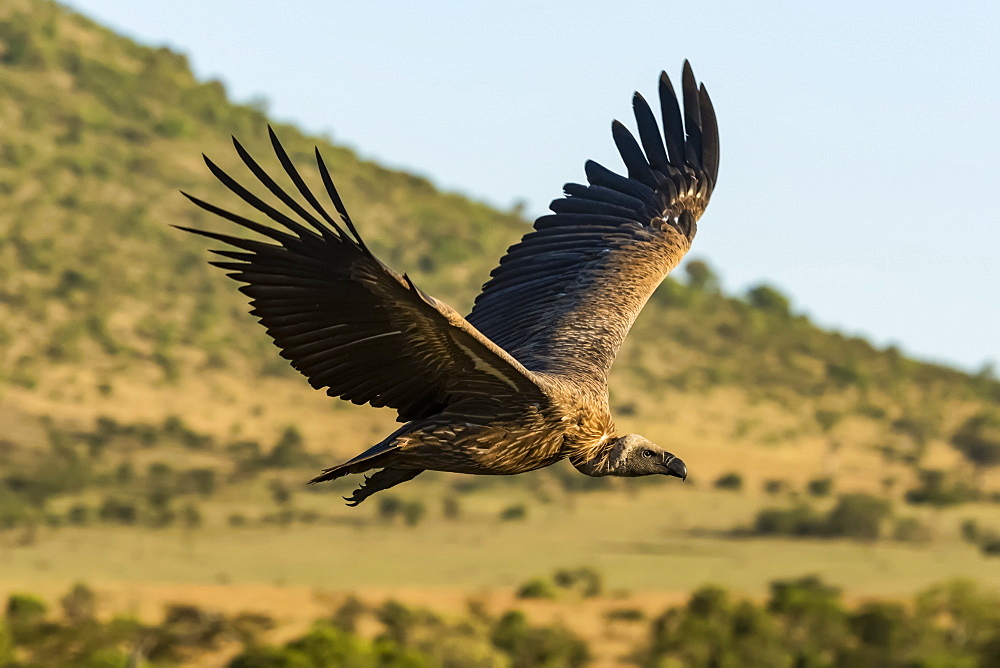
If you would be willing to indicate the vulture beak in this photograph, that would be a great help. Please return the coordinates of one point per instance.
(675, 467)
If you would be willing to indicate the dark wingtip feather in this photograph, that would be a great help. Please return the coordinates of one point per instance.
(191, 198)
(632, 155)
(692, 116)
(673, 126)
(649, 133)
(272, 136)
(710, 135)
(338, 203)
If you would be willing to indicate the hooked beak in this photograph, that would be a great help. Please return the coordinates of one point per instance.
(675, 467)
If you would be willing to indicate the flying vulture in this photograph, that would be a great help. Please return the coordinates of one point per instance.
(521, 382)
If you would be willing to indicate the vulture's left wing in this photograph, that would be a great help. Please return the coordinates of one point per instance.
(349, 323)
(564, 297)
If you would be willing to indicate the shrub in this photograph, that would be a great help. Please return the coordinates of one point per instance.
(106, 657)
(538, 646)
(799, 520)
(249, 626)
(537, 588)
(911, 530)
(280, 494)
(766, 298)
(775, 486)
(979, 439)
(586, 581)
(389, 506)
(78, 514)
(191, 517)
(858, 516)
(625, 615)
(820, 486)
(271, 657)
(515, 512)
(399, 621)
(327, 645)
(346, 616)
(731, 480)
(451, 508)
(970, 530)
(25, 616)
(826, 419)
(935, 489)
(413, 512)
(200, 481)
(6, 646)
(990, 545)
(118, 511)
(700, 276)
(289, 451)
(79, 605)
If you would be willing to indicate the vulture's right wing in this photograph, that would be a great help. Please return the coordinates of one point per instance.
(348, 322)
(564, 297)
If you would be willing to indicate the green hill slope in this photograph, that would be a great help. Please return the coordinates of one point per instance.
(106, 310)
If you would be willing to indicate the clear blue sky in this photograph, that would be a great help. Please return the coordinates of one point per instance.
(860, 140)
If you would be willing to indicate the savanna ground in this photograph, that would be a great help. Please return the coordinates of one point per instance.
(652, 543)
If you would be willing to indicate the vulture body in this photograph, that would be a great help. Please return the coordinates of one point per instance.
(521, 382)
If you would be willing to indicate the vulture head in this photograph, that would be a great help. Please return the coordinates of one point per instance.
(632, 456)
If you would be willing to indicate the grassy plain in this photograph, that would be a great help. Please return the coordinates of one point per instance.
(651, 540)
(653, 546)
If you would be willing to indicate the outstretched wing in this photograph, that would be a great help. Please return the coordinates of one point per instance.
(564, 297)
(346, 321)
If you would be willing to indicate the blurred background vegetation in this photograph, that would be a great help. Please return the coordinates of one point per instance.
(149, 430)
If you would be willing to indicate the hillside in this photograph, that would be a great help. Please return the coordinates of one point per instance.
(154, 446)
(106, 311)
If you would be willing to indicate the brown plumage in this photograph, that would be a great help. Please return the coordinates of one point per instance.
(522, 381)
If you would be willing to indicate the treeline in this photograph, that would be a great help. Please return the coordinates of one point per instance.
(802, 623)
(805, 623)
(73, 463)
(408, 637)
(53, 485)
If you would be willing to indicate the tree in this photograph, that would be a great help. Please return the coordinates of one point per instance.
(290, 451)
(271, 657)
(79, 605)
(979, 439)
(6, 646)
(327, 645)
(413, 512)
(731, 480)
(700, 276)
(766, 298)
(25, 616)
(280, 494)
(858, 516)
(191, 517)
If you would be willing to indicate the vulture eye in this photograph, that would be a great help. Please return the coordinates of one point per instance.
(647, 453)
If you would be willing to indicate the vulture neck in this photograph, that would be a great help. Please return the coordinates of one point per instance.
(599, 461)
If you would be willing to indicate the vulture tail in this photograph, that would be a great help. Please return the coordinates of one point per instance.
(369, 459)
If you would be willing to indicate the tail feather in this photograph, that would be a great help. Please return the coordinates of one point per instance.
(365, 460)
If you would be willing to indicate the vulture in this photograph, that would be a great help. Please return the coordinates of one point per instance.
(521, 382)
